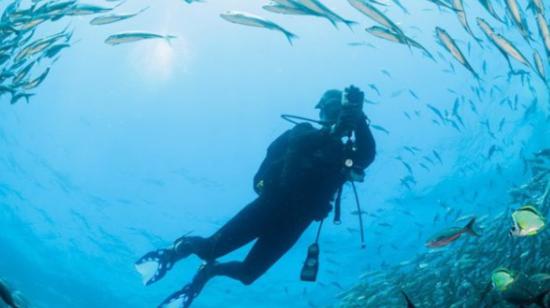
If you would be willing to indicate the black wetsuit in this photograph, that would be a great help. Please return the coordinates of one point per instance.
(301, 174)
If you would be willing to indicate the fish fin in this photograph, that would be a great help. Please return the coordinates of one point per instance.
(469, 228)
(290, 37)
(407, 299)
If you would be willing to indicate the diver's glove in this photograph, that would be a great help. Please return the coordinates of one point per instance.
(349, 119)
(354, 96)
(352, 110)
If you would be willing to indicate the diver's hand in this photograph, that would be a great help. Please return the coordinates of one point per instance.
(349, 119)
(354, 96)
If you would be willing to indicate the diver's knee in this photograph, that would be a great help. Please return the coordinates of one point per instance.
(248, 279)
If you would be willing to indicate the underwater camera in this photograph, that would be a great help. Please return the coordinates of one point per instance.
(311, 264)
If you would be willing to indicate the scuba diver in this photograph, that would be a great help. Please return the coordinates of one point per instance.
(296, 184)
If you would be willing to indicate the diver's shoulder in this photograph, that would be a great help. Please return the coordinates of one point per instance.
(305, 126)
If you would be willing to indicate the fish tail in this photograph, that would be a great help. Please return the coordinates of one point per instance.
(169, 38)
(350, 23)
(469, 228)
(290, 36)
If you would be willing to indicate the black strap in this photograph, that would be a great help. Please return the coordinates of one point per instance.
(363, 245)
(338, 206)
(319, 232)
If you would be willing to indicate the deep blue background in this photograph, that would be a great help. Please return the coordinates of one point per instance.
(125, 148)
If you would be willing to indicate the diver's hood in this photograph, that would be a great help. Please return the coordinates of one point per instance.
(330, 97)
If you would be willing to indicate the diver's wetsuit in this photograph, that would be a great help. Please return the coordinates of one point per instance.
(301, 174)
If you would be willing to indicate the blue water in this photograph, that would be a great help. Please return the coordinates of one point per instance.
(125, 148)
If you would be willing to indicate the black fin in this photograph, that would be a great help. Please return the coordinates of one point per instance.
(470, 227)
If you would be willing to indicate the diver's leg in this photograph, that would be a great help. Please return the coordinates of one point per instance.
(241, 229)
(269, 248)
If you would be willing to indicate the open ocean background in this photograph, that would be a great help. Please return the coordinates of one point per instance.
(125, 148)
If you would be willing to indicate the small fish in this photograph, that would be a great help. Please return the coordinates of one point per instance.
(540, 277)
(37, 81)
(516, 15)
(544, 32)
(407, 166)
(436, 111)
(539, 65)
(504, 45)
(288, 7)
(527, 221)
(256, 21)
(437, 156)
(502, 278)
(489, 7)
(448, 42)
(54, 50)
(129, 37)
(87, 9)
(319, 8)
(388, 35)
(373, 86)
(363, 43)
(109, 19)
(450, 235)
(458, 6)
(373, 13)
(380, 128)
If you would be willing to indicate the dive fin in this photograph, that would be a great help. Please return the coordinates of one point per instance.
(154, 265)
(181, 299)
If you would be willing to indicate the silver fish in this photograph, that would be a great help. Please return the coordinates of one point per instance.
(449, 44)
(22, 73)
(37, 81)
(109, 19)
(458, 5)
(256, 21)
(388, 35)
(374, 14)
(87, 9)
(517, 17)
(544, 32)
(489, 7)
(54, 50)
(129, 37)
(505, 46)
(539, 65)
(319, 8)
(287, 10)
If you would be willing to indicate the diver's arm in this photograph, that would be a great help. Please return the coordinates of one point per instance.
(275, 150)
(365, 145)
